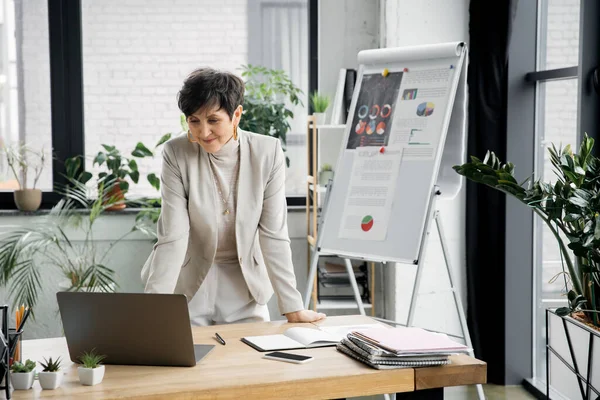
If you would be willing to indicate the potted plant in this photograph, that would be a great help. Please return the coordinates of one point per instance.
(571, 210)
(27, 250)
(319, 103)
(51, 376)
(22, 160)
(325, 174)
(269, 96)
(92, 371)
(119, 167)
(21, 375)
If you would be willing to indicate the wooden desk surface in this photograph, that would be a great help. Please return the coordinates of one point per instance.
(236, 370)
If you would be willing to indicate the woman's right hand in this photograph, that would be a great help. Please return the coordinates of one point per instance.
(304, 316)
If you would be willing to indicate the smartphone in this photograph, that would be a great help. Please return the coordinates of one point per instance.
(288, 357)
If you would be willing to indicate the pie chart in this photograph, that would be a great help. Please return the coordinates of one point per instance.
(381, 128)
(425, 109)
(360, 127)
(367, 223)
(371, 127)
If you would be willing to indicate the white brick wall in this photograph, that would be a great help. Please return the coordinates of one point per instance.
(135, 57)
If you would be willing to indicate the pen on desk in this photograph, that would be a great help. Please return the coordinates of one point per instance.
(220, 339)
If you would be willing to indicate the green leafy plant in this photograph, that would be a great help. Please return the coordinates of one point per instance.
(269, 96)
(19, 367)
(571, 210)
(326, 167)
(21, 160)
(120, 167)
(51, 366)
(319, 102)
(91, 359)
(26, 250)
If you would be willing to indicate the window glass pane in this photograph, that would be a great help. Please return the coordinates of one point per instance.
(282, 43)
(559, 35)
(557, 124)
(25, 92)
(135, 57)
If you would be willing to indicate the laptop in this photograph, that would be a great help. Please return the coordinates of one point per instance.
(130, 328)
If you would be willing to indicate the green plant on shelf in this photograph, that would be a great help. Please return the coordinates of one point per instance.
(319, 102)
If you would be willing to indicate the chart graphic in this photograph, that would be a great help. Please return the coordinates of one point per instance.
(425, 109)
(367, 223)
(409, 94)
(360, 127)
(376, 103)
(371, 128)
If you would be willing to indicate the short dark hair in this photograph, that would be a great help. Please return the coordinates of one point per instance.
(208, 87)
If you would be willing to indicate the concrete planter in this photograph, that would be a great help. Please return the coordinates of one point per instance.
(28, 199)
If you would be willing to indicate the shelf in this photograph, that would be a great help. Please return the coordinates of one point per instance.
(339, 304)
(331, 126)
(322, 189)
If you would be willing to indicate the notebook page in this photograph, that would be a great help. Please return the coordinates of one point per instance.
(273, 342)
(311, 337)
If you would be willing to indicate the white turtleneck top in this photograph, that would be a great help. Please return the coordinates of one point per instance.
(225, 171)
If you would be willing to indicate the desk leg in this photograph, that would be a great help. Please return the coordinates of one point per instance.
(427, 394)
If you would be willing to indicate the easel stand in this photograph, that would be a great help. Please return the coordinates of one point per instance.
(458, 303)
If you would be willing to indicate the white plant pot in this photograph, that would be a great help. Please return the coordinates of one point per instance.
(320, 118)
(50, 380)
(90, 376)
(22, 380)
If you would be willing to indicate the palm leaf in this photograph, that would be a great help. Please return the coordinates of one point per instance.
(26, 284)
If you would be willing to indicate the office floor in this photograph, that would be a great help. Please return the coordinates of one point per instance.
(492, 392)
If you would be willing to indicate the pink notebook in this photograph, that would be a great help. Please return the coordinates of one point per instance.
(410, 340)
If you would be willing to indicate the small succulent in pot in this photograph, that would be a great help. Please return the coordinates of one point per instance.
(51, 376)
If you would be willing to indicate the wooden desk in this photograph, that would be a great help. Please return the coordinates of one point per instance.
(238, 371)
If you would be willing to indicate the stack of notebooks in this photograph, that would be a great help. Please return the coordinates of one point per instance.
(391, 348)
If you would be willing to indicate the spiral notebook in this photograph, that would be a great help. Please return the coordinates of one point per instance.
(389, 364)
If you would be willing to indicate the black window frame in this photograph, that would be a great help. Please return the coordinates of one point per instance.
(66, 92)
(521, 141)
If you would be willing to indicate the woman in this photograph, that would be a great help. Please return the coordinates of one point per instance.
(222, 233)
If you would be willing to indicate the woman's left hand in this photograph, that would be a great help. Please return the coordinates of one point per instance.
(304, 316)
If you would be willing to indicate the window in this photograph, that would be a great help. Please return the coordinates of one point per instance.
(118, 84)
(278, 39)
(25, 90)
(558, 99)
(135, 59)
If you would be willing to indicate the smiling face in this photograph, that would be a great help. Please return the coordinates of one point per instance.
(212, 127)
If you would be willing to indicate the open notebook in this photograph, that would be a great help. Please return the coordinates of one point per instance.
(304, 338)
(293, 338)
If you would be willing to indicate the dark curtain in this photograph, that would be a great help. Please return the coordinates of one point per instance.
(490, 28)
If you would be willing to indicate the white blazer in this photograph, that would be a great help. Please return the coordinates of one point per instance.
(187, 227)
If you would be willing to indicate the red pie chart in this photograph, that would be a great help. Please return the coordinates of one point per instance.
(367, 223)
